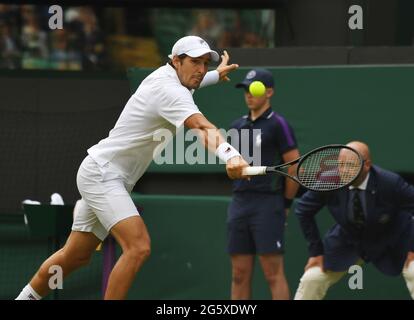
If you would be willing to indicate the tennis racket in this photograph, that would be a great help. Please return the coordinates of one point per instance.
(323, 169)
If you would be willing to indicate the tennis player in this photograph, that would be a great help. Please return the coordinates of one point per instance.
(107, 175)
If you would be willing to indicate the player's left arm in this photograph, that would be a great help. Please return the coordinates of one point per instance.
(221, 73)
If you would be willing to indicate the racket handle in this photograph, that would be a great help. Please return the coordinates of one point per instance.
(254, 171)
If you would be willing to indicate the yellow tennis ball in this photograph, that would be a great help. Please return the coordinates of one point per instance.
(257, 88)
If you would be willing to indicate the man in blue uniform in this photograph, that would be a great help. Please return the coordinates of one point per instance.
(257, 212)
(374, 223)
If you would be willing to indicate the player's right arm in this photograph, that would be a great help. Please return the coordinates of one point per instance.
(214, 142)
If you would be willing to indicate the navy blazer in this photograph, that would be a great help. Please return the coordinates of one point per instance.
(388, 232)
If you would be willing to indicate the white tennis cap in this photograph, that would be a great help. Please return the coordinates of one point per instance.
(194, 47)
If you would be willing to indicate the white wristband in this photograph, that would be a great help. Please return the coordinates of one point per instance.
(211, 77)
(225, 151)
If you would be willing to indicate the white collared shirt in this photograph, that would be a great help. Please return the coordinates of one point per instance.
(160, 102)
(363, 185)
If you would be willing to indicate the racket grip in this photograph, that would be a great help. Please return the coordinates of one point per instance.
(254, 171)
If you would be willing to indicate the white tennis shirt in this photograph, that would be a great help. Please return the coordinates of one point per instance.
(160, 102)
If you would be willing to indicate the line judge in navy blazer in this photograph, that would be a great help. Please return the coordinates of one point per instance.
(374, 223)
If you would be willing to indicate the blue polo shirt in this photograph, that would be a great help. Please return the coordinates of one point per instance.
(273, 137)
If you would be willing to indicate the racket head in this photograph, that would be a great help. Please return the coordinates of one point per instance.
(329, 168)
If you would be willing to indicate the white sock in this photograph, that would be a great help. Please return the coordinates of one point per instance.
(28, 293)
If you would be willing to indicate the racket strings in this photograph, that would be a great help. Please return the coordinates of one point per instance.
(329, 169)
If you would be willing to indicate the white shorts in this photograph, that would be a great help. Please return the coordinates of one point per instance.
(106, 199)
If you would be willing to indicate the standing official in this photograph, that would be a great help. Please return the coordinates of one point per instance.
(258, 210)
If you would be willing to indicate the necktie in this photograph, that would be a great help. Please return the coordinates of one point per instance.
(358, 211)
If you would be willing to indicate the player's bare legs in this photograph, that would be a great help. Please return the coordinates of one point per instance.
(273, 269)
(76, 253)
(132, 235)
(242, 271)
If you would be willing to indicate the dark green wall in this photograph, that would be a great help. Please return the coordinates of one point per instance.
(324, 105)
(188, 260)
(21, 255)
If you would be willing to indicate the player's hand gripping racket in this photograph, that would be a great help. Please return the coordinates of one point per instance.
(326, 168)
